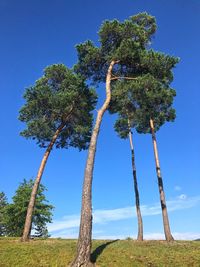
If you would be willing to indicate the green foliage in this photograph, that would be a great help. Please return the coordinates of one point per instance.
(59, 97)
(119, 41)
(158, 65)
(3, 205)
(154, 102)
(147, 96)
(15, 213)
(122, 127)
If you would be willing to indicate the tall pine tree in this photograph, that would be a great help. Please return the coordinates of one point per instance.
(118, 52)
(146, 104)
(125, 106)
(57, 113)
(155, 102)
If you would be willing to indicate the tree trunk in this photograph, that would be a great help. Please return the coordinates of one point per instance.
(137, 197)
(28, 222)
(85, 232)
(167, 230)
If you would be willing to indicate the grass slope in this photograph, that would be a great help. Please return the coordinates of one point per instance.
(120, 253)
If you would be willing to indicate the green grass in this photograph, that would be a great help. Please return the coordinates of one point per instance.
(121, 253)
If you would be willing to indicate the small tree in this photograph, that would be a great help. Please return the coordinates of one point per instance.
(15, 214)
(3, 205)
(120, 45)
(57, 112)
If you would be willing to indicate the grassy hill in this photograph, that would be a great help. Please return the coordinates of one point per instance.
(118, 253)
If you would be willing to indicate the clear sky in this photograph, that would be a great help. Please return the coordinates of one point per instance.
(34, 34)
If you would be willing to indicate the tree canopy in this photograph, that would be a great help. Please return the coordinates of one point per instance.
(122, 42)
(147, 96)
(117, 56)
(60, 97)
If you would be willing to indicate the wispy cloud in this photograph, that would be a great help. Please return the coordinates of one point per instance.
(177, 188)
(68, 225)
(182, 196)
(67, 222)
(73, 233)
(154, 236)
(176, 235)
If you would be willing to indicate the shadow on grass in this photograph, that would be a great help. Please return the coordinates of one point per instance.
(97, 252)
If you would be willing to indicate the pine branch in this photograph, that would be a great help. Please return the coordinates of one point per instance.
(126, 78)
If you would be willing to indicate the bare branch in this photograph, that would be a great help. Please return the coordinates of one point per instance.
(126, 78)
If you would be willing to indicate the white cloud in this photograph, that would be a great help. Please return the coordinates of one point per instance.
(182, 196)
(177, 188)
(66, 233)
(186, 236)
(68, 225)
(103, 216)
(109, 237)
(176, 235)
(147, 236)
(71, 221)
(73, 233)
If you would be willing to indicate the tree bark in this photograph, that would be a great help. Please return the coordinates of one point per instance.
(28, 222)
(166, 225)
(85, 232)
(137, 197)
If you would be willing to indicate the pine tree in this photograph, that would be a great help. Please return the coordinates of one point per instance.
(124, 105)
(124, 127)
(57, 113)
(120, 46)
(155, 109)
(146, 103)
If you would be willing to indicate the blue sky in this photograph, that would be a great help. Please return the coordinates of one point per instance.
(35, 34)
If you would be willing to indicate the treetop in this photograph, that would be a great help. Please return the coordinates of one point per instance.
(59, 97)
(119, 41)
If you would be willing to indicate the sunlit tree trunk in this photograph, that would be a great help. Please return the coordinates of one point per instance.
(29, 214)
(85, 231)
(137, 197)
(166, 225)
